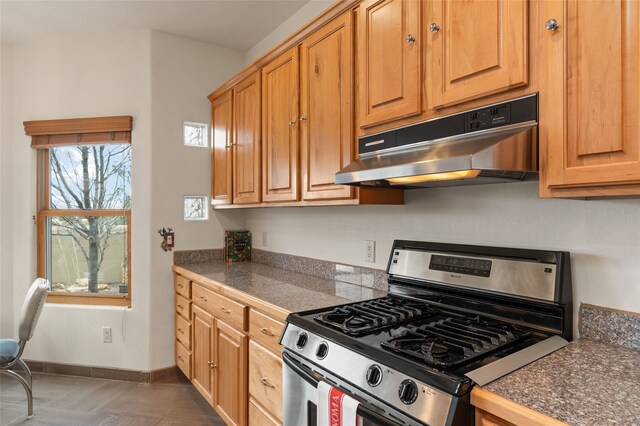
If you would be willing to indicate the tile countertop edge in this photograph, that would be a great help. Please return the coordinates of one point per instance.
(275, 311)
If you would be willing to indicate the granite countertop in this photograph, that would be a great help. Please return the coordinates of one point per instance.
(585, 383)
(291, 291)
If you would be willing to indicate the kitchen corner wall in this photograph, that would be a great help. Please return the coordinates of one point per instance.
(161, 80)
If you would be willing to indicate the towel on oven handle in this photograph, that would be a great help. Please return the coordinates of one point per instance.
(335, 408)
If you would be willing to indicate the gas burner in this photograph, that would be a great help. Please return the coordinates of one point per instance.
(366, 317)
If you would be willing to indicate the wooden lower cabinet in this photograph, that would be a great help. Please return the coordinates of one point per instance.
(230, 374)
(265, 379)
(203, 350)
(230, 352)
(495, 410)
(259, 417)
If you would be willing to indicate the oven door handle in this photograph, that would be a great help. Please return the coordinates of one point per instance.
(363, 411)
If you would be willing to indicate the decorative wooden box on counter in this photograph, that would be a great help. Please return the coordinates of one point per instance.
(227, 345)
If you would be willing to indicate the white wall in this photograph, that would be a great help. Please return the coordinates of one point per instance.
(603, 236)
(6, 241)
(183, 72)
(161, 81)
(302, 16)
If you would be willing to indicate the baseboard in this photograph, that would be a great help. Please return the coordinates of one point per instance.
(152, 376)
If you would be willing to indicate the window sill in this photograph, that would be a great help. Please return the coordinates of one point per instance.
(89, 299)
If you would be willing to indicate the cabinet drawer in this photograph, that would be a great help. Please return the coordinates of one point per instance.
(265, 330)
(182, 286)
(183, 331)
(258, 417)
(233, 313)
(183, 307)
(183, 359)
(265, 379)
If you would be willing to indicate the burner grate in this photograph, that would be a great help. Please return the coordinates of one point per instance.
(452, 341)
(366, 317)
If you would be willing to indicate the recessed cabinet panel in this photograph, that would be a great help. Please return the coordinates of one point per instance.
(589, 124)
(230, 374)
(246, 141)
(280, 128)
(202, 350)
(476, 48)
(222, 116)
(389, 43)
(326, 118)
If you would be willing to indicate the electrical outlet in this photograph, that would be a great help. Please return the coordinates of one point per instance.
(106, 334)
(264, 238)
(371, 252)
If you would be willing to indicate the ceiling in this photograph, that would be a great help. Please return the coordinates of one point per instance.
(237, 24)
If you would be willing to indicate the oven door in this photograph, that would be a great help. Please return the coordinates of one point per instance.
(300, 398)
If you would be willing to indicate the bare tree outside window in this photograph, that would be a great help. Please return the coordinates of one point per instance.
(96, 180)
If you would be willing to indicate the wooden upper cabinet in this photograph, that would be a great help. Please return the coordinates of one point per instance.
(326, 109)
(280, 95)
(389, 71)
(475, 48)
(222, 123)
(230, 374)
(589, 90)
(246, 141)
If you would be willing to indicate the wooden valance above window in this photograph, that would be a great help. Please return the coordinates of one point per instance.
(79, 131)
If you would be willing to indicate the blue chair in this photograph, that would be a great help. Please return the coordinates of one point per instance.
(11, 350)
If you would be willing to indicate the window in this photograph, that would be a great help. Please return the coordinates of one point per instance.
(195, 134)
(84, 208)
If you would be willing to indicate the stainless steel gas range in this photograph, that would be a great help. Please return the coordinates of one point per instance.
(455, 316)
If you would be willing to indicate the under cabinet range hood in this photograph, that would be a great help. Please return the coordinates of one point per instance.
(496, 143)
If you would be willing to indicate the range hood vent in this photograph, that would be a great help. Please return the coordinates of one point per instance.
(496, 143)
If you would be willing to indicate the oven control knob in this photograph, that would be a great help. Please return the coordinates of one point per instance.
(408, 391)
(322, 350)
(374, 375)
(302, 340)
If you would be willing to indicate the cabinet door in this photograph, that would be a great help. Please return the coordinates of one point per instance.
(476, 48)
(326, 106)
(589, 126)
(231, 374)
(222, 123)
(246, 141)
(280, 128)
(389, 41)
(203, 326)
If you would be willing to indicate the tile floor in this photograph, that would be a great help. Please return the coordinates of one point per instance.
(70, 401)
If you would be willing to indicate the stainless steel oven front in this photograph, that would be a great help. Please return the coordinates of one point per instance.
(300, 383)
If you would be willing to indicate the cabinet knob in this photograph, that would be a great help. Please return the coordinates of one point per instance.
(434, 28)
(292, 122)
(180, 358)
(266, 331)
(551, 25)
(211, 364)
(226, 311)
(266, 382)
(303, 119)
(410, 39)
